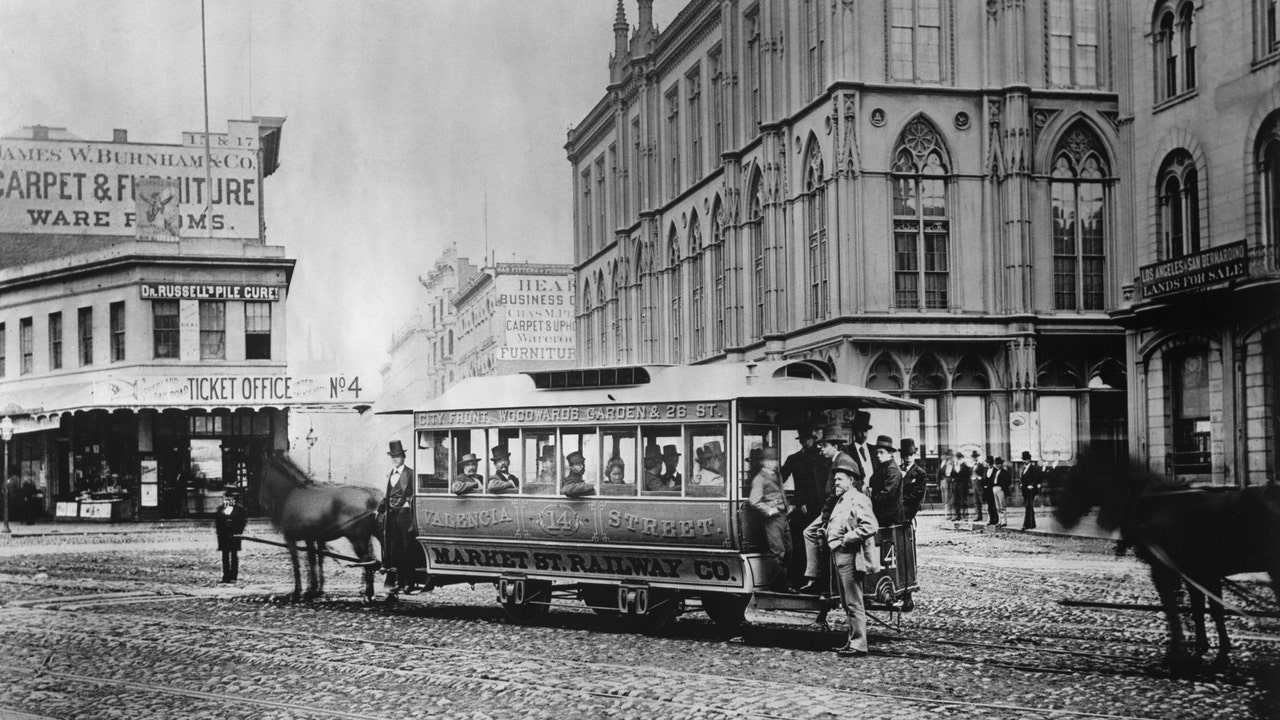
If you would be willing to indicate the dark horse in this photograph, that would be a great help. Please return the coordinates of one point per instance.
(1191, 536)
(312, 513)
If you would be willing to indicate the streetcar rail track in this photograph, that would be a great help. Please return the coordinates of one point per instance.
(595, 668)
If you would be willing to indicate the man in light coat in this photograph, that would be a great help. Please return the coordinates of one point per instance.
(769, 500)
(851, 535)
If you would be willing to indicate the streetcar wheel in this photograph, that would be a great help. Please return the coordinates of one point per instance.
(536, 602)
(726, 610)
(602, 599)
(662, 607)
(885, 591)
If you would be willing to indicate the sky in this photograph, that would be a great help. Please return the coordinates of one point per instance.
(401, 119)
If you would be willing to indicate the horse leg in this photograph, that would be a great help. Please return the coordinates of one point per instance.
(363, 550)
(321, 549)
(1167, 584)
(1220, 622)
(311, 569)
(1197, 613)
(297, 570)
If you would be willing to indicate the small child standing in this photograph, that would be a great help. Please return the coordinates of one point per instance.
(229, 523)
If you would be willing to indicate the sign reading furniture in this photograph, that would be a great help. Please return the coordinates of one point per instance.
(1195, 272)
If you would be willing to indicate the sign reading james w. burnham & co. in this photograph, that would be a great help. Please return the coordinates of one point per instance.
(1193, 272)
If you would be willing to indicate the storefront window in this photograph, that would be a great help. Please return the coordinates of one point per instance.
(1190, 391)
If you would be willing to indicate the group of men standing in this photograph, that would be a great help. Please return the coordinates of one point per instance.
(843, 493)
(990, 483)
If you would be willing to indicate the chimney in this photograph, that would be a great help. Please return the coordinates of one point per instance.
(40, 132)
(120, 135)
(646, 15)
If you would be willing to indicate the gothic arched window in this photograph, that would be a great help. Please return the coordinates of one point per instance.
(1078, 190)
(675, 279)
(815, 202)
(757, 244)
(921, 221)
(697, 297)
(1268, 158)
(718, 299)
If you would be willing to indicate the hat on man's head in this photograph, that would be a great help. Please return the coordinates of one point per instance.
(576, 458)
(708, 451)
(999, 461)
(884, 442)
(233, 491)
(670, 451)
(769, 453)
(1026, 455)
(833, 434)
(468, 458)
(845, 464)
(861, 421)
(395, 448)
(500, 453)
(548, 452)
(975, 455)
(908, 447)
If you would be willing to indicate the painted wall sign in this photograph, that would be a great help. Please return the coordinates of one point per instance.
(535, 316)
(1192, 272)
(615, 520)
(92, 188)
(195, 291)
(576, 415)
(587, 562)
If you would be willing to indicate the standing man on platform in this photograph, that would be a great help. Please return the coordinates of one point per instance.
(831, 446)
(858, 449)
(915, 481)
(851, 536)
(802, 466)
(1030, 485)
(398, 528)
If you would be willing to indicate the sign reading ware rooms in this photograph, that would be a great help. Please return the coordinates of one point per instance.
(191, 291)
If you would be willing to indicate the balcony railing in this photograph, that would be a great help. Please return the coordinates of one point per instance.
(1264, 260)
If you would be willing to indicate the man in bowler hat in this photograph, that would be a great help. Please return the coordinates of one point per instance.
(886, 484)
(502, 481)
(914, 480)
(398, 527)
(468, 480)
(229, 525)
(859, 450)
(851, 536)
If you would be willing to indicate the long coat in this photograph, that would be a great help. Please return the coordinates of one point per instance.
(230, 522)
(914, 484)
(886, 494)
(853, 530)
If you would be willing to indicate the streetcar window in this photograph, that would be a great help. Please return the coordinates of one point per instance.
(754, 439)
(432, 459)
(469, 442)
(664, 464)
(620, 452)
(707, 449)
(541, 462)
(586, 442)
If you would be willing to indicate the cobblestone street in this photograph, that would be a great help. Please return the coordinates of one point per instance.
(133, 625)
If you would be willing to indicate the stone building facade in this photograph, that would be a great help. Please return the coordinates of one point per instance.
(1202, 310)
(924, 195)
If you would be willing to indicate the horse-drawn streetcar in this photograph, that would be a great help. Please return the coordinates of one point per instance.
(625, 488)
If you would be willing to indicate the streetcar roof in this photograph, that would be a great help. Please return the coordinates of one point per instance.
(766, 380)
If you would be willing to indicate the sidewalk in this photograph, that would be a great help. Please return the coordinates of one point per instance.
(1045, 523)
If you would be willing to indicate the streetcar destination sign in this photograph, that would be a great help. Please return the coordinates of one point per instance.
(576, 414)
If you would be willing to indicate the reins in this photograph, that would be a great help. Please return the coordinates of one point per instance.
(1159, 554)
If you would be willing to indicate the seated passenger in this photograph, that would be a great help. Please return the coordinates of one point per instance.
(671, 473)
(615, 472)
(502, 481)
(547, 465)
(710, 459)
(653, 469)
(468, 480)
(574, 485)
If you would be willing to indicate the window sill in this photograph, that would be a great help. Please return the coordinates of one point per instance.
(1266, 60)
(1178, 99)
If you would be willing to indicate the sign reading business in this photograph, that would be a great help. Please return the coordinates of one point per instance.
(74, 187)
(536, 313)
(1193, 272)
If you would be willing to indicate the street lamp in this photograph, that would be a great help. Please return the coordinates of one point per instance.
(311, 441)
(6, 434)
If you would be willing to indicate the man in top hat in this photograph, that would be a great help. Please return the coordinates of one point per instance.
(960, 487)
(947, 473)
(468, 480)
(1002, 487)
(851, 536)
(769, 500)
(710, 459)
(976, 480)
(671, 476)
(501, 481)
(1029, 483)
(574, 484)
(398, 525)
(802, 467)
(861, 452)
(914, 480)
(229, 524)
(653, 469)
(886, 484)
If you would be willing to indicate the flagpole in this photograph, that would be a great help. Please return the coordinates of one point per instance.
(208, 170)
